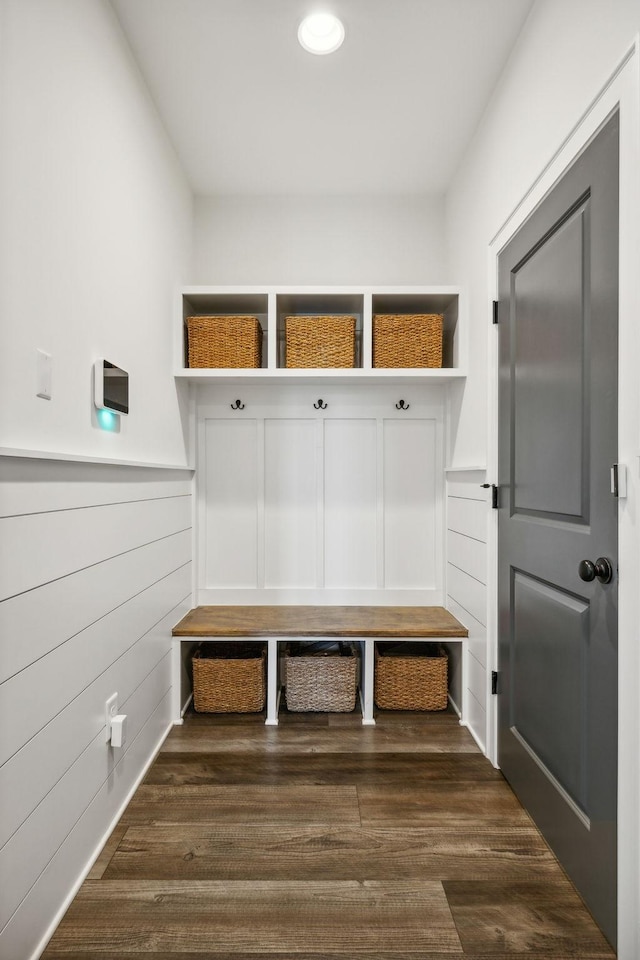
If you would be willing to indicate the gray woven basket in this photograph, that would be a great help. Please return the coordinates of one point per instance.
(321, 683)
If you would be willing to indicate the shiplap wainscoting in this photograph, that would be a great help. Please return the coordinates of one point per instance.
(468, 506)
(95, 569)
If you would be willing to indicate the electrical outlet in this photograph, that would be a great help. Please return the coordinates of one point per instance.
(110, 711)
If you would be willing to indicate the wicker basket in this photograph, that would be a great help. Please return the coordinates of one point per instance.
(229, 341)
(407, 340)
(229, 678)
(321, 682)
(328, 341)
(410, 676)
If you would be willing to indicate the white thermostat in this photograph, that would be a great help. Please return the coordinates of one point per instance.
(110, 387)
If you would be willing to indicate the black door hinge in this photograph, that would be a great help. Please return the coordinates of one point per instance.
(495, 311)
(494, 494)
(494, 681)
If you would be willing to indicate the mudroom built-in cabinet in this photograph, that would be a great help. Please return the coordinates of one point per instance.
(321, 485)
(327, 486)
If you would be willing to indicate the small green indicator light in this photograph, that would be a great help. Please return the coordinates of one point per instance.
(107, 419)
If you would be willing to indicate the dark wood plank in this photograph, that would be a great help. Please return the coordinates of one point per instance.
(305, 621)
(475, 893)
(390, 718)
(287, 718)
(319, 768)
(107, 852)
(336, 918)
(444, 805)
(241, 720)
(437, 737)
(540, 920)
(340, 852)
(222, 720)
(266, 805)
(349, 954)
(257, 954)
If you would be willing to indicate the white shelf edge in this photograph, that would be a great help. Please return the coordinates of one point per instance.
(393, 289)
(472, 469)
(444, 374)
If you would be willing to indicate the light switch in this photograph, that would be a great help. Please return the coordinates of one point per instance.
(44, 364)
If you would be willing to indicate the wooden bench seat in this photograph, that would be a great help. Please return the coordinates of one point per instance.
(281, 623)
(300, 621)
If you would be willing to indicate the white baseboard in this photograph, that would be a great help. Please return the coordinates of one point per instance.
(463, 723)
(39, 950)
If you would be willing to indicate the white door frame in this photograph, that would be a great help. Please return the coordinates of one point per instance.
(622, 91)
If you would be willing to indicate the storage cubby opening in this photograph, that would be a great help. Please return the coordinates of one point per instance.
(314, 305)
(226, 304)
(411, 676)
(229, 677)
(320, 676)
(309, 647)
(426, 303)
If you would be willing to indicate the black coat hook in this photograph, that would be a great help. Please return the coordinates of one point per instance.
(237, 405)
(321, 405)
(401, 405)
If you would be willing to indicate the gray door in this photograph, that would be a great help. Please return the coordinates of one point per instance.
(558, 320)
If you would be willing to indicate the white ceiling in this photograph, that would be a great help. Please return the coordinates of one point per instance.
(391, 112)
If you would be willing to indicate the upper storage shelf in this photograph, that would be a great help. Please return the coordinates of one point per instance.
(319, 332)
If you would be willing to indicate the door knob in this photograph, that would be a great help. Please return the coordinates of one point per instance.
(601, 569)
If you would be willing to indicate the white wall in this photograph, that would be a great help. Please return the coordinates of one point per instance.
(95, 560)
(321, 240)
(564, 55)
(94, 235)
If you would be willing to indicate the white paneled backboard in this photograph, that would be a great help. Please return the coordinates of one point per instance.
(290, 503)
(410, 483)
(339, 502)
(350, 503)
(230, 507)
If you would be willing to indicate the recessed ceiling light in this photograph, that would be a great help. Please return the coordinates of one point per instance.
(321, 33)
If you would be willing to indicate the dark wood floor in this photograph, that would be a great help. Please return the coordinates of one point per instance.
(322, 839)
